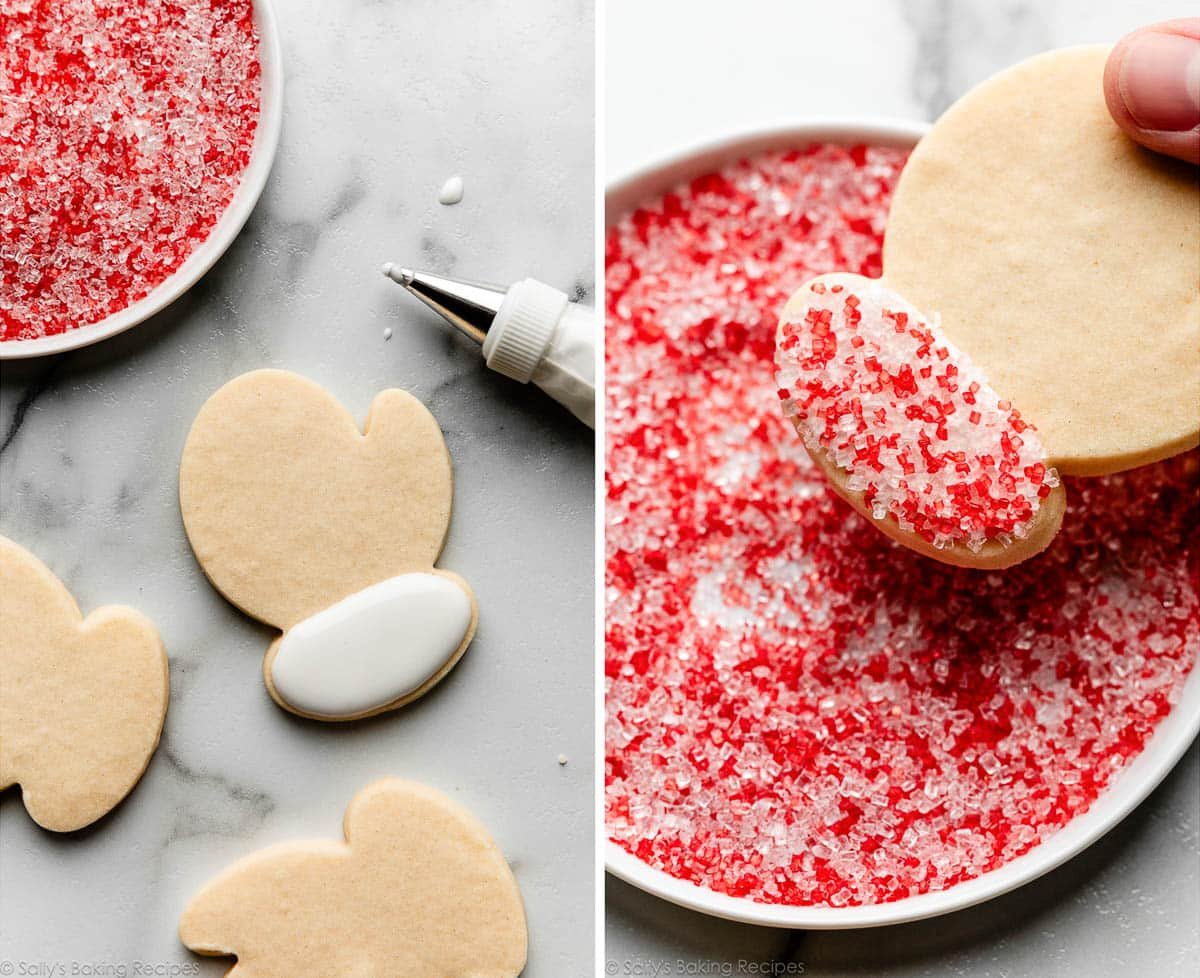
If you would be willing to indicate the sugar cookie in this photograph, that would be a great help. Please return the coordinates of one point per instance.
(908, 430)
(418, 889)
(1053, 262)
(82, 700)
(1063, 258)
(331, 535)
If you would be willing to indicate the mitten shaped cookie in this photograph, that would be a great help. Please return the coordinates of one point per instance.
(331, 535)
(1037, 315)
(418, 889)
(82, 700)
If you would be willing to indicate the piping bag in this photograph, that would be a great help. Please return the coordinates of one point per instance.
(530, 332)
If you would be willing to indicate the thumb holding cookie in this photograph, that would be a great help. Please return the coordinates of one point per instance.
(1152, 87)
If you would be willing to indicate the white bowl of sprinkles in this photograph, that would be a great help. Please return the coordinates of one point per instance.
(1170, 740)
(252, 181)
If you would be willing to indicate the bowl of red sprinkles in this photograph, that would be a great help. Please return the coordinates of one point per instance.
(808, 725)
(135, 139)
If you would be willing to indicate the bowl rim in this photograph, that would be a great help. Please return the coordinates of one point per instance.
(231, 221)
(626, 191)
(1140, 777)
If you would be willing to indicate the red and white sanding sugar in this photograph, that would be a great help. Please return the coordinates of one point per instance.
(799, 710)
(907, 415)
(124, 130)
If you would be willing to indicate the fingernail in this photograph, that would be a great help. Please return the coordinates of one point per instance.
(1160, 81)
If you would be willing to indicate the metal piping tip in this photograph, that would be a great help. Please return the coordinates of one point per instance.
(468, 307)
(401, 276)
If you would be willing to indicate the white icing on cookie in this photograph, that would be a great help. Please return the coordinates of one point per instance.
(373, 647)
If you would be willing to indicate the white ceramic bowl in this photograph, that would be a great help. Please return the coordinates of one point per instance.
(254, 178)
(1167, 745)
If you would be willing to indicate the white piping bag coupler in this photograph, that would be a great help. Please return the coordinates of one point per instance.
(529, 332)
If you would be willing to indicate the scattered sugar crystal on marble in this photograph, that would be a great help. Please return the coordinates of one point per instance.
(799, 710)
(124, 131)
(911, 420)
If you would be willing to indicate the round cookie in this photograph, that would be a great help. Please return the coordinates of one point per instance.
(1062, 258)
(330, 534)
(419, 889)
(82, 700)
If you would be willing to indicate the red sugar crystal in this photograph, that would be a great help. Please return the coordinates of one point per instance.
(124, 130)
(799, 710)
(853, 362)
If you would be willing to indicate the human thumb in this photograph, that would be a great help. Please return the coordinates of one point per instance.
(1152, 87)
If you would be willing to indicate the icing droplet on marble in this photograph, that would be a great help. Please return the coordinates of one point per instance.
(451, 192)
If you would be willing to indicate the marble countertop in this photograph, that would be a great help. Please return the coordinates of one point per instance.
(383, 103)
(1130, 904)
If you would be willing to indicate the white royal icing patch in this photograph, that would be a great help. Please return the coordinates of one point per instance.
(373, 647)
(451, 192)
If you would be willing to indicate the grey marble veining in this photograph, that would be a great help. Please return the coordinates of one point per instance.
(1131, 904)
(383, 102)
